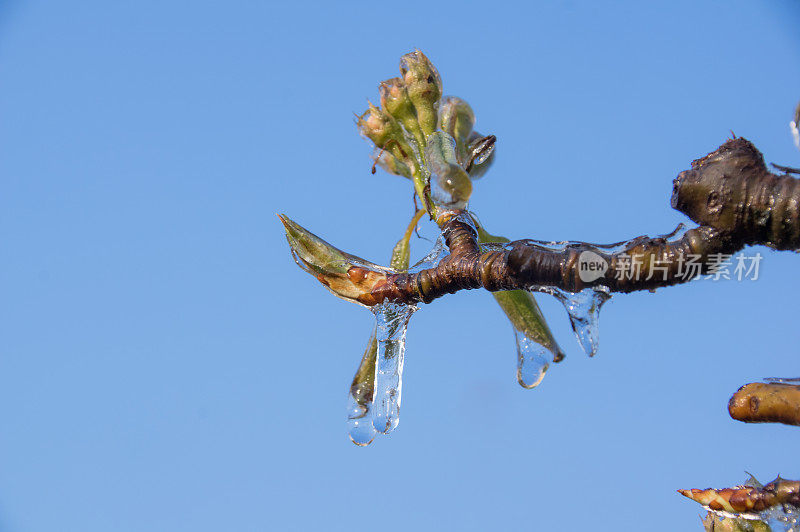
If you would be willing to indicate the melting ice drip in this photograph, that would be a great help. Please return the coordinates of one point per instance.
(582, 307)
(533, 359)
(381, 412)
(584, 313)
(392, 322)
(377, 410)
(360, 400)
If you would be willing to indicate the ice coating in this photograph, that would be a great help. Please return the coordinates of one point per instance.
(362, 396)
(480, 156)
(533, 360)
(782, 380)
(451, 186)
(438, 252)
(392, 322)
(780, 518)
(795, 127)
(583, 309)
(365, 413)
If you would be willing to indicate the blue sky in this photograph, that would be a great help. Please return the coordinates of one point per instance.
(165, 365)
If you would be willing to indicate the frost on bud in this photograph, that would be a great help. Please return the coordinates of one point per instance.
(480, 154)
(457, 120)
(424, 86)
(348, 277)
(450, 185)
(395, 100)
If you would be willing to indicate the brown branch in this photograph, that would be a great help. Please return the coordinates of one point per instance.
(730, 192)
(760, 402)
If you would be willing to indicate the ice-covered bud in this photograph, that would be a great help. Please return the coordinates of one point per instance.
(387, 134)
(347, 276)
(457, 120)
(395, 100)
(795, 126)
(378, 126)
(393, 165)
(450, 184)
(424, 86)
(362, 388)
(480, 154)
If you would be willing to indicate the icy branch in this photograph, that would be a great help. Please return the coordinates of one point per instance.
(730, 192)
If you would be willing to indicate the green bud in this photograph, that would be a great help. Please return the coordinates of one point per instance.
(451, 187)
(385, 132)
(314, 252)
(395, 100)
(424, 86)
(378, 126)
(348, 277)
(457, 120)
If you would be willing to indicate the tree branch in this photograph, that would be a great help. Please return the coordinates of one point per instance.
(730, 192)
(772, 402)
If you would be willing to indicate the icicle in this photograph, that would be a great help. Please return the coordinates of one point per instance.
(533, 360)
(392, 322)
(584, 313)
(362, 396)
(795, 127)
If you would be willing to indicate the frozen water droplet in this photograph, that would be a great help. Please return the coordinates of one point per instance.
(782, 518)
(392, 321)
(795, 127)
(359, 423)
(533, 360)
(584, 313)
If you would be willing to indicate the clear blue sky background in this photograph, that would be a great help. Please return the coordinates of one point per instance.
(165, 365)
